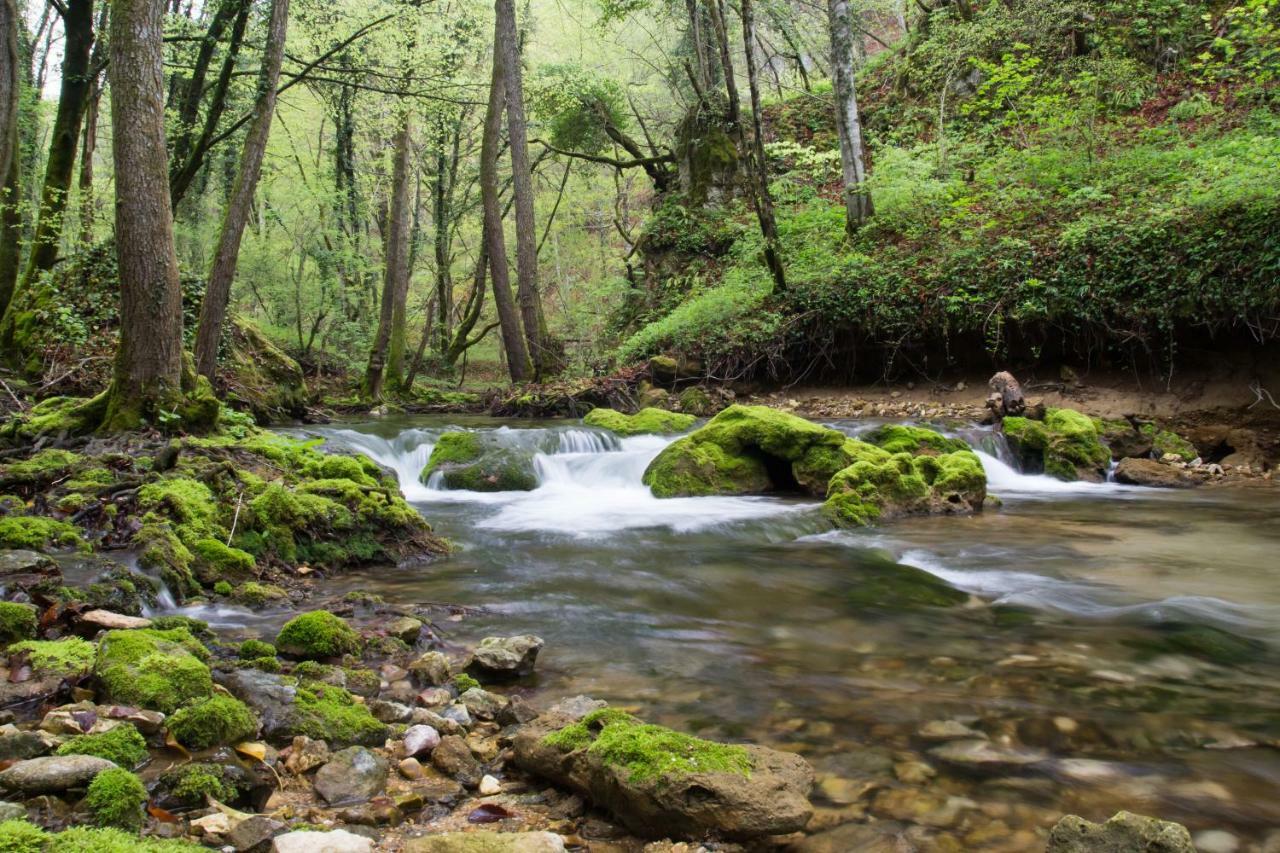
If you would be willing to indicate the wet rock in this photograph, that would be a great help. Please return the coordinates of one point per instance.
(411, 768)
(486, 842)
(100, 620)
(945, 730)
(1149, 472)
(517, 711)
(453, 758)
(337, 841)
(217, 825)
(405, 628)
(477, 463)
(52, 774)
(389, 712)
(23, 571)
(431, 669)
(505, 657)
(425, 717)
(18, 746)
(984, 756)
(661, 789)
(1123, 833)
(489, 786)
(576, 707)
(482, 704)
(254, 833)
(279, 706)
(306, 755)
(378, 812)
(353, 775)
(420, 739)
(145, 721)
(458, 714)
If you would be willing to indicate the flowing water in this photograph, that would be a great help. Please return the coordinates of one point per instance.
(733, 617)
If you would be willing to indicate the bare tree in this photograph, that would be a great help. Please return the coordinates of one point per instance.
(213, 310)
(857, 201)
(147, 381)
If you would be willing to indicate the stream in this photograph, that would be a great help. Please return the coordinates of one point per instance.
(731, 617)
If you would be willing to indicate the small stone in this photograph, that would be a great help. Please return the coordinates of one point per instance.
(353, 775)
(147, 722)
(486, 842)
(576, 707)
(217, 823)
(983, 755)
(453, 758)
(249, 834)
(22, 745)
(404, 628)
(12, 811)
(411, 768)
(481, 703)
(516, 712)
(489, 786)
(108, 621)
(420, 739)
(944, 730)
(431, 669)
(1123, 833)
(434, 697)
(913, 772)
(337, 841)
(389, 712)
(306, 755)
(506, 657)
(1216, 841)
(52, 774)
(459, 714)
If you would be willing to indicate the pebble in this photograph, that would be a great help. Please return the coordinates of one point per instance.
(419, 739)
(411, 768)
(489, 786)
(944, 730)
(1216, 841)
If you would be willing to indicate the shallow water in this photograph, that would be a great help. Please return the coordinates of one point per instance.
(731, 616)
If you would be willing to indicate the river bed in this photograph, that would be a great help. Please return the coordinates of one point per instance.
(1082, 656)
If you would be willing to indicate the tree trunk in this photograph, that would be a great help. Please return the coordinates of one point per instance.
(764, 200)
(85, 183)
(495, 240)
(857, 201)
(147, 381)
(10, 83)
(65, 137)
(403, 211)
(213, 310)
(10, 232)
(383, 358)
(507, 42)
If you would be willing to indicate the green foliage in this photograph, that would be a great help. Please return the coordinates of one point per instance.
(115, 798)
(463, 682)
(256, 649)
(576, 105)
(332, 714)
(19, 836)
(38, 533)
(122, 745)
(213, 721)
(17, 622)
(196, 783)
(318, 634)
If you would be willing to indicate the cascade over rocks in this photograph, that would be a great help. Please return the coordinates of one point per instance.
(477, 463)
(661, 783)
(1065, 445)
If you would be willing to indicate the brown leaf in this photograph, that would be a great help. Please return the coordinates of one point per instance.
(172, 742)
(252, 749)
(162, 815)
(19, 674)
(488, 813)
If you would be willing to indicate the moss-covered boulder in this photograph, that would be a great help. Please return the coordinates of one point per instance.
(158, 669)
(748, 450)
(17, 622)
(36, 532)
(259, 376)
(69, 658)
(880, 485)
(662, 783)
(644, 422)
(288, 707)
(1167, 442)
(1065, 445)
(122, 745)
(476, 463)
(115, 797)
(905, 438)
(317, 635)
(211, 722)
(880, 583)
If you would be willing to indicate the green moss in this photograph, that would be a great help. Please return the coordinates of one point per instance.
(40, 469)
(85, 840)
(115, 798)
(197, 628)
(881, 485)
(18, 836)
(1165, 441)
(901, 438)
(263, 664)
(318, 634)
(362, 682)
(455, 447)
(92, 480)
(647, 753)
(882, 584)
(154, 669)
(213, 721)
(250, 649)
(36, 533)
(333, 467)
(467, 462)
(332, 714)
(1064, 445)
(17, 622)
(463, 682)
(122, 745)
(194, 784)
(161, 550)
(257, 594)
(222, 588)
(216, 561)
(283, 515)
(189, 503)
(70, 657)
(645, 422)
(697, 402)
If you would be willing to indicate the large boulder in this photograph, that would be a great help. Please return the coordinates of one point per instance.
(161, 670)
(1149, 472)
(288, 709)
(259, 376)
(749, 450)
(1065, 445)
(52, 774)
(880, 485)
(662, 783)
(477, 463)
(644, 422)
(1123, 833)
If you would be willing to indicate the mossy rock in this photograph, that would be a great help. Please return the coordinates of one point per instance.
(216, 561)
(1200, 641)
(115, 798)
(332, 714)
(748, 450)
(881, 486)
(259, 376)
(255, 594)
(37, 533)
(644, 422)
(162, 670)
(212, 722)
(123, 745)
(904, 438)
(470, 462)
(1165, 441)
(696, 401)
(67, 658)
(40, 469)
(317, 635)
(882, 584)
(1064, 445)
(17, 622)
(192, 785)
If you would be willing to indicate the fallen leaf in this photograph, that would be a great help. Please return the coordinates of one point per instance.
(162, 815)
(84, 719)
(252, 749)
(172, 742)
(488, 813)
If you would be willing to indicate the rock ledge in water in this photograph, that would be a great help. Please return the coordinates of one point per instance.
(475, 463)
(1123, 833)
(662, 783)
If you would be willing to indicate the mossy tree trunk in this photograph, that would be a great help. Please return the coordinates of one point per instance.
(513, 342)
(10, 88)
(147, 382)
(764, 200)
(213, 309)
(386, 360)
(857, 201)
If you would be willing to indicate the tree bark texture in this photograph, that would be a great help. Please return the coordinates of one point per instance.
(395, 276)
(857, 201)
(764, 200)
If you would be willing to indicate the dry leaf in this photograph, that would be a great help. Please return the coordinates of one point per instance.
(252, 749)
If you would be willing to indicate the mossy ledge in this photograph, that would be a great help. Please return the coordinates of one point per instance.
(1065, 445)
(649, 421)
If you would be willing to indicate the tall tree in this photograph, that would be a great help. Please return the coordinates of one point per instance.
(387, 355)
(764, 200)
(77, 79)
(857, 201)
(10, 82)
(513, 340)
(147, 379)
(507, 42)
(213, 310)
